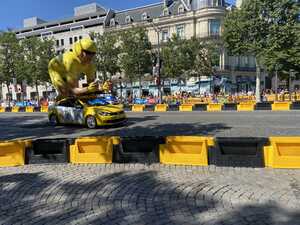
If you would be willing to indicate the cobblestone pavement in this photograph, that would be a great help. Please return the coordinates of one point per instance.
(136, 194)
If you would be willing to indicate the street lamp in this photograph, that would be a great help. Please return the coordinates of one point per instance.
(157, 30)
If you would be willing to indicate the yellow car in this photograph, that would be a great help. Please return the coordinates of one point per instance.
(89, 111)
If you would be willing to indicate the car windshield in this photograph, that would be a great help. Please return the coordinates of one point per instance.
(96, 102)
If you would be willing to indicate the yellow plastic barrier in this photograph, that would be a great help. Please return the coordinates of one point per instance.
(44, 108)
(283, 152)
(29, 109)
(138, 108)
(15, 109)
(214, 107)
(186, 108)
(185, 150)
(13, 153)
(246, 106)
(2, 109)
(161, 108)
(97, 150)
(280, 106)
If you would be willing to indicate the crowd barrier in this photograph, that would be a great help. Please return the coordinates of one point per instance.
(187, 107)
(273, 152)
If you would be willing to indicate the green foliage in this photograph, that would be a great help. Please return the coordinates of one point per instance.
(189, 58)
(36, 55)
(135, 58)
(10, 57)
(107, 53)
(282, 52)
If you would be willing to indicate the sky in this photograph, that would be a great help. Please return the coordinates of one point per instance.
(12, 12)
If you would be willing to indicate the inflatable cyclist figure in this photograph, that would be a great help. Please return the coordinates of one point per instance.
(65, 70)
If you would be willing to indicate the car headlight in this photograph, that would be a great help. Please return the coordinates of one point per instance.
(103, 113)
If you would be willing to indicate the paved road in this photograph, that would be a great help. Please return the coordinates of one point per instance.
(221, 124)
(135, 194)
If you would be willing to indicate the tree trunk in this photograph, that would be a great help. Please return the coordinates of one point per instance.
(38, 96)
(7, 86)
(276, 85)
(257, 91)
(140, 86)
(199, 84)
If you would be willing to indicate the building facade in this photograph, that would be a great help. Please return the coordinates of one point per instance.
(185, 18)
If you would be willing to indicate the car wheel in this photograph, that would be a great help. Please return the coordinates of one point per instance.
(53, 120)
(91, 122)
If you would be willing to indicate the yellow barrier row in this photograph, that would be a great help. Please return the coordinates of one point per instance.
(281, 152)
(13, 153)
(93, 150)
(28, 109)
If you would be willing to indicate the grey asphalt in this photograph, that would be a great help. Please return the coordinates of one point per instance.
(219, 124)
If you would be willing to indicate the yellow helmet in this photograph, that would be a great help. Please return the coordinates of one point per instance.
(85, 44)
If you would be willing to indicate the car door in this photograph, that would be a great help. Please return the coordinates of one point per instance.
(77, 113)
(65, 111)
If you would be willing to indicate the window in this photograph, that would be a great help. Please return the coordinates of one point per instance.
(75, 39)
(165, 35)
(180, 31)
(128, 19)
(166, 12)
(62, 42)
(214, 27)
(71, 40)
(144, 16)
(180, 9)
(112, 22)
(76, 28)
(46, 34)
(57, 43)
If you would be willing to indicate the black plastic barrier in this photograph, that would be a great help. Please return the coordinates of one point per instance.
(230, 107)
(238, 152)
(173, 107)
(263, 106)
(200, 107)
(8, 109)
(149, 108)
(138, 150)
(22, 109)
(49, 151)
(127, 108)
(37, 109)
(295, 105)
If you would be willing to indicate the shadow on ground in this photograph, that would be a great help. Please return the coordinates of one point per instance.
(33, 127)
(133, 198)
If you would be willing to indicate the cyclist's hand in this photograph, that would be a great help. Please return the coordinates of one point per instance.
(93, 87)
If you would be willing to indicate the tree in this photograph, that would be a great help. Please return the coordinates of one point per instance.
(186, 58)
(135, 57)
(36, 55)
(246, 32)
(173, 65)
(9, 59)
(282, 53)
(107, 53)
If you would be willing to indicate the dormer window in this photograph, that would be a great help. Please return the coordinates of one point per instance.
(144, 16)
(128, 19)
(166, 12)
(180, 9)
(112, 23)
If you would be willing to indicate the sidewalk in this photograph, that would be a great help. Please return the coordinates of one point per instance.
(137, 194)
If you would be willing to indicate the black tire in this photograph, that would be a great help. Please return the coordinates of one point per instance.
(91, 122)
(53, 120)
